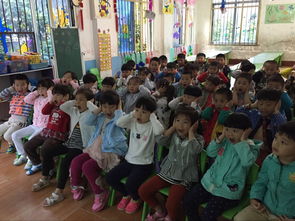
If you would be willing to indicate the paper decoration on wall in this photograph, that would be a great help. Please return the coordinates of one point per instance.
(104, 8)
(280, 13)
(116, 15)
(105, 50)
(168, 7)
(222, 7)
(190, 2)
(150, 14)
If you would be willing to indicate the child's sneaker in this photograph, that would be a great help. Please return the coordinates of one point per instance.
(19, 160)
(34, 169)
(78, 192)
(156, 216)
(100, 201)
(123, 203)
(132, 207)
(28, 165)
(11, 149)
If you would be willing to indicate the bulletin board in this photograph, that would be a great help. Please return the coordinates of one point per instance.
(278, 13)
(105, 51)
(67, 50)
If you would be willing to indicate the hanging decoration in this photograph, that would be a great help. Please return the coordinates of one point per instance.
(79, 4)
(116, 15)
(168, 7)
(190, 2)
(104, 8)
(105, 50)
(3, 36)
(222, 7)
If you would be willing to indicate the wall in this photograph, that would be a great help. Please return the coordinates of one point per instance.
(271, 37)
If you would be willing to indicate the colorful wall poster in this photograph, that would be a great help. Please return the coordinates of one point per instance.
(278, 13)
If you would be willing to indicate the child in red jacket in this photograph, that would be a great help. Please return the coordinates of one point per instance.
(213, 69)
(51, 137)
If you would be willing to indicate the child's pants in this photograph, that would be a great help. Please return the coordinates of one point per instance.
(215, 205)
(136, 174)
(148, 190)
(21, 133)
(249, 213)
(84, 164)
(65, 166)
(14, 123)
(49, 149)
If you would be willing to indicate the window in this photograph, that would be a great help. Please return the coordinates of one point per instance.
(134, 29)
(61, 13)
(237, 25)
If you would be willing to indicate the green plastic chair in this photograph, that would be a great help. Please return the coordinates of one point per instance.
(96, 72)
(58, 167)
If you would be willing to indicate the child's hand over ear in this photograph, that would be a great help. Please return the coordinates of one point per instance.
(221, 137)
(192, 131)
(285, 218)
(258, 205)
(277, 107)
(120, 105)
(97, 110)
(246, 134)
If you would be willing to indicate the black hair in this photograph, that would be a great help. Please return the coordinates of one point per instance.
(47, 83)
(187, 111)
(61, 89)
(288, 129)
(201, 55)
(268, 95)
(276, 78)
(246, 76)
(247, 67)
(220, 56)
(131, 63)
(271, 62)
(73, 75)
(171, 65)
(187, 73)
(191, 66)
(238, 120)
(126, 67)
(163, 58)
(135, 78)
(89, 78)
(86, 92)
(20, 77)
(170, 90)
(214, 80)
(226, 92)
(214, 64)
(193, 91)
(156, 59)
(181, 55)
(146, 103)
(108, 81)
(143, 70)
(109, 97)
(168, 75)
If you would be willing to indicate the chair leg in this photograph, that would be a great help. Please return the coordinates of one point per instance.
(111, 201)
(145, 211)
(60, 158)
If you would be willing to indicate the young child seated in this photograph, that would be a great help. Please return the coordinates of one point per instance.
(179, 169)
(38, 99)
(241, 90)
(223, 184)
(143, 74)
(208, 88)
(126, 74)
(269, 67)
(202, 62)
(107, 84)
(107, 144)
(185, 80)
(133, 65)
(80, 134)
(50, 138)
(19, 110)
(273, 194)
(130, 94)
(69, 78)
(163, 62)
(213, 69)
(220, 58)
(180, 61)
(138, 164)
(190, 98)
(169, 77)
(154, 68)
(216, 114)
(194, 68)
(277, 82)
(163, 95)
(89, 81)
(171, 69)
(245, 66)
(265, 117)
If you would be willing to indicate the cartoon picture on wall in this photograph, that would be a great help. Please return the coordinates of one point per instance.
(104, 8)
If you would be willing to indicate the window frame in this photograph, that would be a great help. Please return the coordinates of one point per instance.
(239, 43)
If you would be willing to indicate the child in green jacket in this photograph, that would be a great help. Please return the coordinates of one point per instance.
(273, 194)
(223, 184)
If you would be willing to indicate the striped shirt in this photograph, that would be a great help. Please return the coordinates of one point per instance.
(75, 140)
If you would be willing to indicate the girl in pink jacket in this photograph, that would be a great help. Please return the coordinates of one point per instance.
(38, 98)
(69, 78)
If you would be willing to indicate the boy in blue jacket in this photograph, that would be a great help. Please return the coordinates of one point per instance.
(273, 194)
(223, 184)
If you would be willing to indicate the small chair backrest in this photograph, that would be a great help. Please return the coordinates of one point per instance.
(96, 72)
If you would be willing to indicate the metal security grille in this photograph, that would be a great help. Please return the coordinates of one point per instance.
(238, 25)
